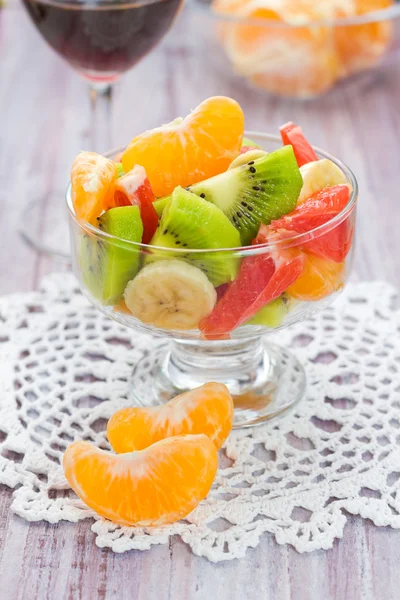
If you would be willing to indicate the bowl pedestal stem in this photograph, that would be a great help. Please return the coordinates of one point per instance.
(264, 379)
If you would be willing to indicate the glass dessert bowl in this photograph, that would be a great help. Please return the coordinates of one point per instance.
(214, 308)
(294, 49)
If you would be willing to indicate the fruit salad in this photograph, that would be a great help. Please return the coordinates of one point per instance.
(296, 48)
(197, 229)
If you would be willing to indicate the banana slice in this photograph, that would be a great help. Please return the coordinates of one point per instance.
(171, 294)
(318, 175)
(246, 157)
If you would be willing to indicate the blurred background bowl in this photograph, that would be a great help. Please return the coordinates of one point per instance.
(298, 49)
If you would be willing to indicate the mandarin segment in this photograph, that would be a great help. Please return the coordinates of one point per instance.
(290, 61)
(187, 151)
(154, 487)
(306, 64)
(92, 179)
(207, 409)
(320, 278)
(362, 46)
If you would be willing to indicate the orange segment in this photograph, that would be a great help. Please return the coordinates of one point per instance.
(320, 278)
(157, 486)
(362, 46)
(122, 308)
(189, 150)
(290, 61)
(207, 409)
(366, 6)
(321, 75)
(92, 178)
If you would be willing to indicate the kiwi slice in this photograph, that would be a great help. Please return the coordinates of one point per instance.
(258, 192)
(190, 222)
(245, 158)
(120, 169)
(108, 265)
(249, 142)
(273, 313)
(160, 204)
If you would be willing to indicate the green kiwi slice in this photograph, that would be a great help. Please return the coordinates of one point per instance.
(160, 204)
(258, 192)
(120, 169)
(249, 142)
(108, 265)
(273, 313)
(190, 222)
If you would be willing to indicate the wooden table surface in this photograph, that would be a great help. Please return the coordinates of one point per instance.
(44, 119)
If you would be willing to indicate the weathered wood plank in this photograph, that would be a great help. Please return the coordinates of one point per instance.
(61, 561)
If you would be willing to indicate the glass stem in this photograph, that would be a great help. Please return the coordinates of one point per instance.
(100, 125)
(235, 362)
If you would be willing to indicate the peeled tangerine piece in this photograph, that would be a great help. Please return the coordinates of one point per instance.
(362, 46)
(153, 487)
(92, 179)
(289, 61)
(318, 175)
(170, 294)
(207, 409)
(191, 149)
(320, 278)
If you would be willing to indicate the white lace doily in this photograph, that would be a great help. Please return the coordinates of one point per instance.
(65, 369)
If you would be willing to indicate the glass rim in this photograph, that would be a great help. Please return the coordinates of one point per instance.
(240, 251)
(383, 14)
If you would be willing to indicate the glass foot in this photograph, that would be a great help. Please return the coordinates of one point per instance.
(264, 379)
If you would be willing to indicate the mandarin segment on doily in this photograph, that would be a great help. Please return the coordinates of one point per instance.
(65, 368)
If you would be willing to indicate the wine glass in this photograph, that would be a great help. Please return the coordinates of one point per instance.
(263, 378)
(101, 39)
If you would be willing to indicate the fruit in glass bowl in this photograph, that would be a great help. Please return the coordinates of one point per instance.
(235, 256)
(299, 49)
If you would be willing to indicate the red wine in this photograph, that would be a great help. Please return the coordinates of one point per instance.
(102, 38)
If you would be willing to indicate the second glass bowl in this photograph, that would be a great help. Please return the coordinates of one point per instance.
(263, 378)
(300, 59)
